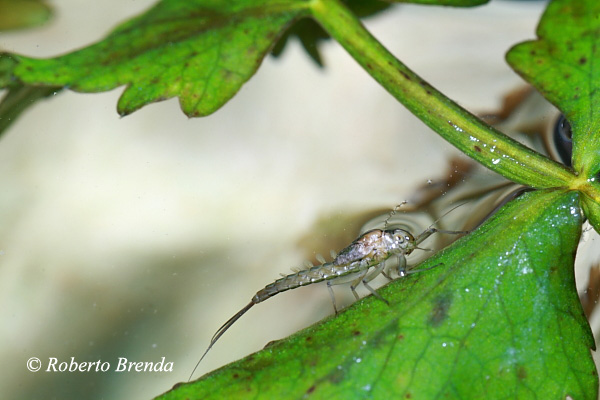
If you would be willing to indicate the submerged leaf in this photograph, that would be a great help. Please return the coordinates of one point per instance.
(498, 317)
(310, 32)
(454, 3)
(7, 66)
(199, 50)
(18, 97)
(21, 14)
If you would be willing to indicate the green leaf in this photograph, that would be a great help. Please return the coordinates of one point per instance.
(7, 66)
(202, 51)
(21, 14)
(18, 97)
(564, 65)
(591, 209)
(496, 318)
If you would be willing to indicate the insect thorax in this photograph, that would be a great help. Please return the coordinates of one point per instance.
(376, 245)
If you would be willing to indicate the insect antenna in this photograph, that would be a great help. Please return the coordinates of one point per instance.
(446, 213)
(431, 229)
(220, 333)
(391, 214)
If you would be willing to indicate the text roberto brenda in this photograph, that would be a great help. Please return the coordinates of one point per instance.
(123, 365)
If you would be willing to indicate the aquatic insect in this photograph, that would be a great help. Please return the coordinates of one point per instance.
(360, 262)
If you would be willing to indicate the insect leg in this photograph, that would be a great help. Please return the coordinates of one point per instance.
(387, 275)
(403, 271)
(365, 281)
(414, 271)
(356, 282)
(401, 268)
(354, 278)
(330, 289)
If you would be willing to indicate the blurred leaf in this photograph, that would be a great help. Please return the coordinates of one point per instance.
(18, 97)
(202, 51)
(498, 317)
(310, 33)
(454, 3)
(21, 14)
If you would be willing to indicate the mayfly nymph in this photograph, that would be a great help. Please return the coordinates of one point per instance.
(360, 262)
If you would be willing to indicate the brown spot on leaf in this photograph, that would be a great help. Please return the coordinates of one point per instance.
(336, 376)
(439, 312)
(311, 389)
(408, 395)
(521, 373)
(235, 376)
(477, 149)
(582, 60)
(356, 333)
(405, 75)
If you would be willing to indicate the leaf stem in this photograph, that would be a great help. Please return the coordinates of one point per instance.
(465, 131)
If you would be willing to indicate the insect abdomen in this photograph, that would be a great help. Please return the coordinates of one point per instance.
(305, 277)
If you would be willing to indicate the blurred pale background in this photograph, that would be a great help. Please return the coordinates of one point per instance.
(138, 237)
